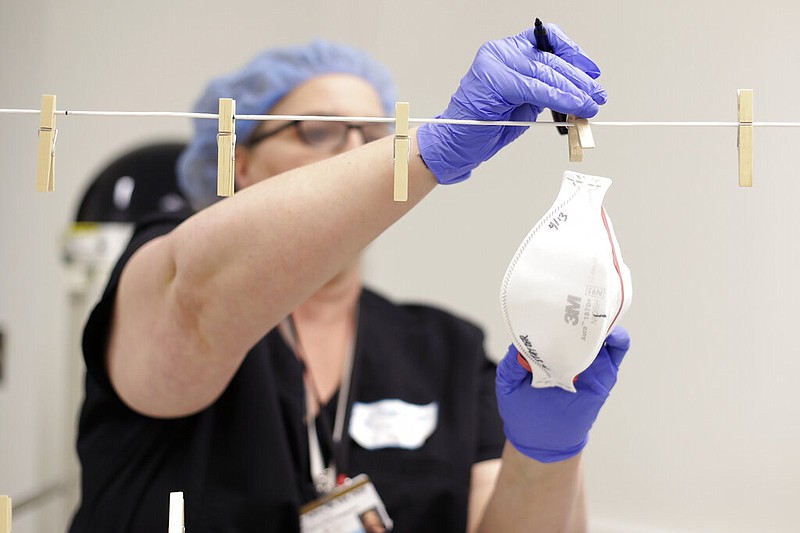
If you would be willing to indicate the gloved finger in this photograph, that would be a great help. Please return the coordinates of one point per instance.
(549, 89)
(576, 76)
(524, 113)
(617, 343)
(567, 49)
(510, 374)
(523, 57)
(601, 375)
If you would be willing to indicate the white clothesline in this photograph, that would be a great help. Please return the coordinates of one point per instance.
(215, 116)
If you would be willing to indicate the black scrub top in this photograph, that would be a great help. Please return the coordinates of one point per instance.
(243, 462)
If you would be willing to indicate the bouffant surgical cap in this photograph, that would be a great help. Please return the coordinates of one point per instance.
(256, 89)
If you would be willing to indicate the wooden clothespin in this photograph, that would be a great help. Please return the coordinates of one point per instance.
(745, 137)
(579, 136)
(5, 514)
(226, 147)
(176, 519)
(45, 164)
(402, 151)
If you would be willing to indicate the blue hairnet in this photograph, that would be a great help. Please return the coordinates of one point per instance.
(257, 88)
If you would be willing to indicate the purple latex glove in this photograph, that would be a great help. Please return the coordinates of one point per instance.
(509, 79)
(553, 424)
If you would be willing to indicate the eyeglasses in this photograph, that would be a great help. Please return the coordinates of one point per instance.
(326, 136)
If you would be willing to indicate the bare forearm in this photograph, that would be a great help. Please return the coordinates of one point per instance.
(208, 291)
(536, 497)
(279, 240)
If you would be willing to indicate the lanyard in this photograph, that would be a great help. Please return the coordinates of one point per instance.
(324, 477)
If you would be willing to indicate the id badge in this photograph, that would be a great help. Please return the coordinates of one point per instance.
(354, 507)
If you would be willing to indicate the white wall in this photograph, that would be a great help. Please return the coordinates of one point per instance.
(701, 432)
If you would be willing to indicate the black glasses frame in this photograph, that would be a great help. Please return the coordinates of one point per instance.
(255, 139)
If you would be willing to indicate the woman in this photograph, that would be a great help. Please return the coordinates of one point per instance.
(223, 332)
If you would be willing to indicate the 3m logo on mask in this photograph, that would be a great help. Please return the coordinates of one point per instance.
(573, 310)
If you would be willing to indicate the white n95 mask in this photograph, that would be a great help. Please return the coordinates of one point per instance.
(566, 285)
